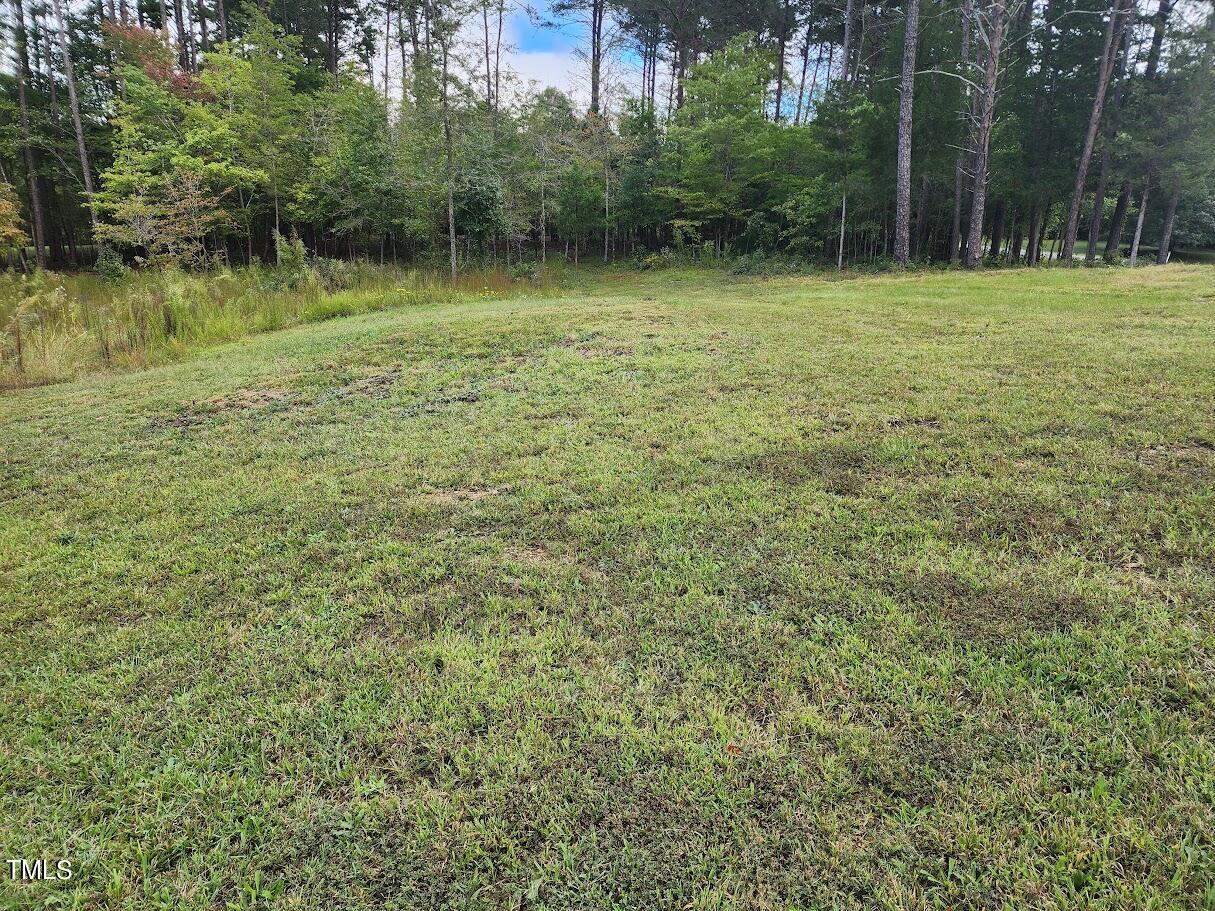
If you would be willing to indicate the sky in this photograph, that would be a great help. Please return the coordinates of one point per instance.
(543, 54)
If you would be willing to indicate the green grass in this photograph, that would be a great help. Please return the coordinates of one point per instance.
(678, 591)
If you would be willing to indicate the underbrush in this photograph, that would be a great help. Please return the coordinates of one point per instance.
(56, 326)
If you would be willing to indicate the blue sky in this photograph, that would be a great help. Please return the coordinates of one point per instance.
(546, 55)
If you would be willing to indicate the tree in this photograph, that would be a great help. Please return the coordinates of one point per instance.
(11, 233)
(902, 222)
(1109, 54)
(27, 147)
(169, 221)
(989, 30)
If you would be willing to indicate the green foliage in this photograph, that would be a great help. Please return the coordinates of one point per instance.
(284, 138)
(11, 232)
(110, 264)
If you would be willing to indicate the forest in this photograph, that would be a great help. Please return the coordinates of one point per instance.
(855, 134)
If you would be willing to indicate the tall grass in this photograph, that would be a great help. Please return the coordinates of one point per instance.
(55, 326)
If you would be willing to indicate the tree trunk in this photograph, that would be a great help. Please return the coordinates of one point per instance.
(782, 41)
(69, 72)
(921, 219)
(1159, 25)
(801, 86)
(598, 8)
(1034, 248)
(1113, 244)
(221, 20)
(997, 229)
(902, 202)
(1094, 222)
(333, 39)
(846, 52)
(1166, 230)
(37, 215)
(498, 68)
(451, 170)
(1143, 203)
(203, 32)
(607, 212)
(1113, 38)
(959, 165)
(987, 107)
(839, 265)
(183, 48)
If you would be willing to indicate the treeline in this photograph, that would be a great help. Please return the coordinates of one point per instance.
(1003, 131)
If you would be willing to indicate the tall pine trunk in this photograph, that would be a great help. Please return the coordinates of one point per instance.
(333, 32)
(1111, 129)
(1113, 243)
(1143, 203)
(598, 9)
(1094, 222)
(846, 52)
(1166, 230)
(959, 166)
(782, 42)
(902, 211)
(221, 20)
(183, 48)
(69, 71)
(1113, 36)
(987, 107)
(451, 170)
(37, 214)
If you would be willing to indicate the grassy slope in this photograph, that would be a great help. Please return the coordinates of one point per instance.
(679, 592)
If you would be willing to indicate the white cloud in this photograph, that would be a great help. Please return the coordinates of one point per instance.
(559, 69)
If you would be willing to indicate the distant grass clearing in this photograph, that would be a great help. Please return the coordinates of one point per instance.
(677, 592)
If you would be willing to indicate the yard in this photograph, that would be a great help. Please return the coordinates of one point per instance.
(675, 590)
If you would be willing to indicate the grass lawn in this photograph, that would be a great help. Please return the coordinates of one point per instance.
(677, 591)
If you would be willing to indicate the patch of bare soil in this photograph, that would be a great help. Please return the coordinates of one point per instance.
(376, 385)
(244, 399)
(441, 402)
(532, 555)
(1194, 459)
(895, 423)
(995, 609)
(450, 496)
(235, 402)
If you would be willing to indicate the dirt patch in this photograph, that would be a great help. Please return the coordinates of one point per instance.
(242, 400)
(605, 349)
(595, 344)
(843, 468)
(1194, 460)
(441, 402)
(374, 385)
(1014, 519)
(450, 496)
(1136, 573)
(246, 399)
(898, 423)
(995, 609)
(532, 555)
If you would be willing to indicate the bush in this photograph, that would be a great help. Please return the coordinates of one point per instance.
(334, 274)
(290, 253)
(662, 259)
(110, 264)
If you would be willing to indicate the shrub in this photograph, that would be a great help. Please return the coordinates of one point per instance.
(110, 264)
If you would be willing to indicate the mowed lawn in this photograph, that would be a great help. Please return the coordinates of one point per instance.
(677, 591)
